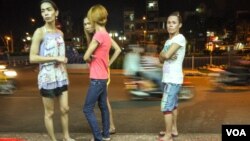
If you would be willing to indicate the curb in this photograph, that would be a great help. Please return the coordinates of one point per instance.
(116, 137)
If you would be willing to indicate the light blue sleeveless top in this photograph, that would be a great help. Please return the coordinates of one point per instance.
(52, 74)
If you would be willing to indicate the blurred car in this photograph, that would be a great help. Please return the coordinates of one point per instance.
(7, 80)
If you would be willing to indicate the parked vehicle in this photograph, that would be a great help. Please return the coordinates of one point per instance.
(7, 80)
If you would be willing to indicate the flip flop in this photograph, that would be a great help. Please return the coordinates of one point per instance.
(174, 135)
(162, 133)
(112, 131)
(161, 139)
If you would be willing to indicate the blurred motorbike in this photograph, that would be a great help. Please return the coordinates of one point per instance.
(140, 88)
(7, 80)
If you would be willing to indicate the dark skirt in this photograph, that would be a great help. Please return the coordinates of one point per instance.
(51, 93)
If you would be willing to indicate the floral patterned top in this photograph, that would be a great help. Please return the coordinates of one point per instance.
(52, 74)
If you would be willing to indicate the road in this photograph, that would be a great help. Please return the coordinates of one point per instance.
(205, 113)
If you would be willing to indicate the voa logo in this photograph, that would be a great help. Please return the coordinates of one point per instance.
(236, 132)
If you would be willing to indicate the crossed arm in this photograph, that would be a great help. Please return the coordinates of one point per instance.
(170, 54)
(34, 56)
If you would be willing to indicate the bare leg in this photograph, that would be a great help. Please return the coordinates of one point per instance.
(174, 127)
(111, 120)
(168, 124)
(64, 107)
(112, 125)
(48, 117)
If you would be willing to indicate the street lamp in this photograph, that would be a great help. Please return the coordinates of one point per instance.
(113, 34)
(7, 38)
(33, 20)
(27, 37)
(122, 39)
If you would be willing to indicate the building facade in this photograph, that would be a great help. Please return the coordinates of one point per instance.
(149, 30)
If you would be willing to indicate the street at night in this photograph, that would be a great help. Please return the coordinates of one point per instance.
(145, 48)
(205, 113)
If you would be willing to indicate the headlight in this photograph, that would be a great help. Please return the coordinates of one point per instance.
(10, 73)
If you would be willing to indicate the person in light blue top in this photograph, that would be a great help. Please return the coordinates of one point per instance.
(48, 50)
(172, 57)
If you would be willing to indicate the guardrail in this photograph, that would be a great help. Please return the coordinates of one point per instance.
(196, 62)
(189, 62)
(14, 61)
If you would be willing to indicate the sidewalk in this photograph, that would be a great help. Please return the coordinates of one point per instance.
(116, 137)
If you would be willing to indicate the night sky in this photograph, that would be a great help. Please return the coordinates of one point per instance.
(15, 14)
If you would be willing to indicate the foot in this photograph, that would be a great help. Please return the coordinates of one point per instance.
(68, 139)
(106, 139)
(174, 132)
(162, 133)
(112, 131)
(165, 138)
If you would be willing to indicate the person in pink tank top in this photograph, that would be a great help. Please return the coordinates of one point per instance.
(89, 31)
(97, 55)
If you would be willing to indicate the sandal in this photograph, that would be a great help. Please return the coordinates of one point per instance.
(112, 131)
(162, 139)
(162, 133)
(174, 135)
(69, 139)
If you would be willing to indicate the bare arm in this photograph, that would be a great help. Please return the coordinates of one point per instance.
(34, 50)
(92, 46)
(170, 54)
(88, 36)
(116, 53)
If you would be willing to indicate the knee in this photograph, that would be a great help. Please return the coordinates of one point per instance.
(49, 114)
(102, 105)
(64, 110)
(87, 109)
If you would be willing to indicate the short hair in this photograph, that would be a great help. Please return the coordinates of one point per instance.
(51, 2)
(177, 14)
(98, 14)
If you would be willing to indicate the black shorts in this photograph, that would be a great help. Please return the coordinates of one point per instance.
(53, 92)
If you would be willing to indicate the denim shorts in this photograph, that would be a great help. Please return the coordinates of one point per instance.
(169, 99)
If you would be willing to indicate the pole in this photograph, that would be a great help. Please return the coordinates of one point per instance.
(7, 44)
(229, 56)
(192, 62)
(211, 58)
(12, 42)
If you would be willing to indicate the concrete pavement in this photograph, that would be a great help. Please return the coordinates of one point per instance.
(115, 137)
